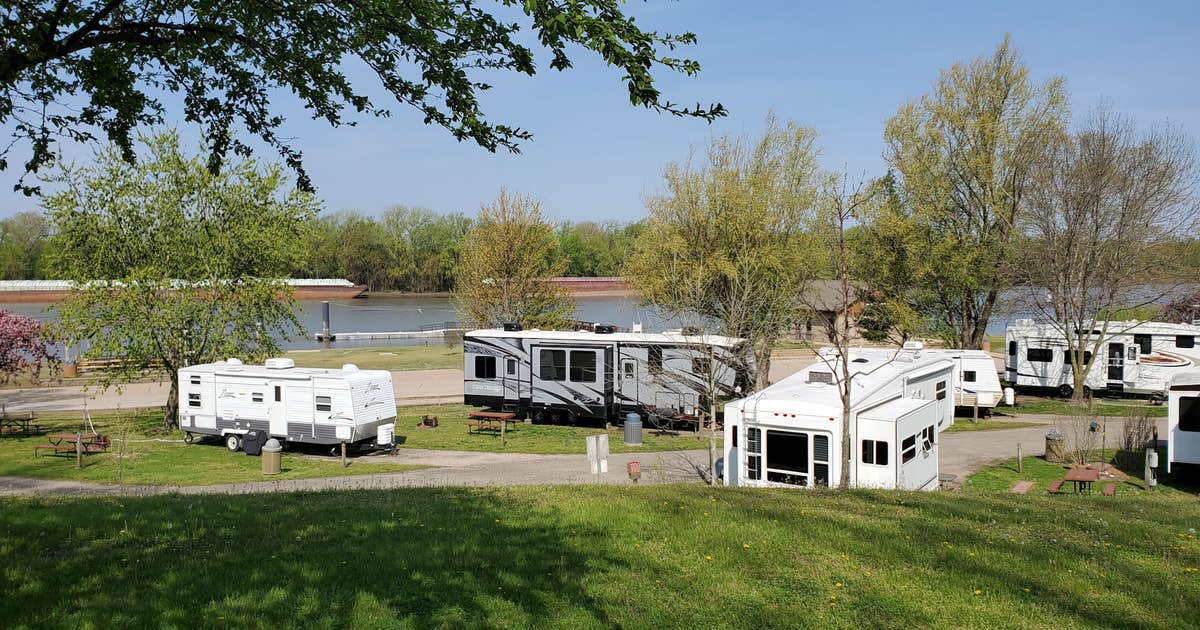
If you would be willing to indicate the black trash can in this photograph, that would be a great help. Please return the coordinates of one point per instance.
(253, 442)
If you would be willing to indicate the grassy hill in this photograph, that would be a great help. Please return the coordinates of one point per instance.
(679, 556)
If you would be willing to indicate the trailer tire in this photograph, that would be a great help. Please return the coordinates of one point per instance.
(233, 442)
(1065, 391)
(188, 438)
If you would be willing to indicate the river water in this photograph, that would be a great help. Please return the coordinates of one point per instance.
(391, 314)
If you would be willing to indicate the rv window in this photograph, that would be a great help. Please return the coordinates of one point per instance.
(256, 397)
(583, 366)
(485, 367)
(734, 435)
(654, 359)
(630, 368)
(701, 366)
(908, 449)
(1039, 355)
(1185, 341)
(511, 366)
(820, 460)
(753, 448)
(787, 457)
(324, 403)
(1145, 343)
(1012, 348)
(928, 434)
(969, 376)
(875, 452)
(1189, 414)
(196, 379)
(554, 365)
(278, 393)
(941, 390)
(193, 400)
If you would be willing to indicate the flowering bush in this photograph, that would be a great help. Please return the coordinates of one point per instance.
(23, 347)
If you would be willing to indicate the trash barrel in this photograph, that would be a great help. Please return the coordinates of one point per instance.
(1056, 447)
(633, 429)
(253, 442)
(272, 453)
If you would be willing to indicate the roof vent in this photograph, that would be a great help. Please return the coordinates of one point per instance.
(825, 378)
(637, 327)
(512, 326)
(914, 345)
(280, 363)
(349, 367)
(232, 361)
(605, 329)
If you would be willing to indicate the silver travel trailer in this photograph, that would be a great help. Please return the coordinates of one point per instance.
(790, 434)
(554, 375)
(1136, 357)
(309, 405)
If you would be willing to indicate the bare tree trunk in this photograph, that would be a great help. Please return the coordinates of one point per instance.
(762, 365)
(171, 410)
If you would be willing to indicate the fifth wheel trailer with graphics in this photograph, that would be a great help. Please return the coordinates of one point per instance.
(551, 375)
(309, 405)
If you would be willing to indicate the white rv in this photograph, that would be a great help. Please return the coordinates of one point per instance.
(790, 434)
(309, 405)
(1135, 357)
(566, 375)
(1183, 420)
(976, 380)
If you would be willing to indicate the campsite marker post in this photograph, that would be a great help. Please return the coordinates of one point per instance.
(1020, 464)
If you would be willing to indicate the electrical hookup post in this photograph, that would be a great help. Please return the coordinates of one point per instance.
(597, 454)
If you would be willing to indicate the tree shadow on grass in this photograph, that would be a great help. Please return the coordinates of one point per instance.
(429, 557)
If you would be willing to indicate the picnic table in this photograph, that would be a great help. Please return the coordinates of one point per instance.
(25, 424)
(65, 443)
(489, 420)
(1082, 478)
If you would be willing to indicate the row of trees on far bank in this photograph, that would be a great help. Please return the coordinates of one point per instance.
(402, 249)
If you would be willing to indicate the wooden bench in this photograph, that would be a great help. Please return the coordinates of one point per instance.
(1021, 487)
(1110, 489)
(482, 426)
(54, 448)
(1056, 486)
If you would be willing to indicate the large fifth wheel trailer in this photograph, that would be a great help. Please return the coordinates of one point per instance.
(567, 375)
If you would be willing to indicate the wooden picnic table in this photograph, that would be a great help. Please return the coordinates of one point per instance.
(482, 421)
(25, 424)
(1082, 478)
(66, 443)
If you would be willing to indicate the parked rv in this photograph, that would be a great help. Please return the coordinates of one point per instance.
(564, 376)
(1183, 420)
(1135, 357)
(790, 434)
(309, 405)
(976, 380)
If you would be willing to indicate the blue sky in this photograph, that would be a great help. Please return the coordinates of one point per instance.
(841, 68)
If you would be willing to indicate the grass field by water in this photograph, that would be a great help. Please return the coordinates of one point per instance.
(395, 358)
(578, 557)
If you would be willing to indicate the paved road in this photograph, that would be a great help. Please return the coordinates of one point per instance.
(413, 387)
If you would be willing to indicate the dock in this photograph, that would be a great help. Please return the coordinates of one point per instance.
(428, 331)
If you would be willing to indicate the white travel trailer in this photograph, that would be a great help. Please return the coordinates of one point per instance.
(555, 375)
(977, 382)
(309, 405)
(790, 434)
(1136, 357)
(1183, 420)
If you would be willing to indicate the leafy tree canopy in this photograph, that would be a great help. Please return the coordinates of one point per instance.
(227, 59)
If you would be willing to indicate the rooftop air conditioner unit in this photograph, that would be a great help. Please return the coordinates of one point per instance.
(280, 363)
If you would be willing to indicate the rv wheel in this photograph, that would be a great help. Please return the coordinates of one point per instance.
(233, 442)
(188, 438)
(1065, 391)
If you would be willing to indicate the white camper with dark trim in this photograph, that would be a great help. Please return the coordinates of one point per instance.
(554, 375)
(1135, 357)
(790, 434)
(309, 405)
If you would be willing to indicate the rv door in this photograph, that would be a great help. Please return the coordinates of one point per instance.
(629, 380)
(278, 407)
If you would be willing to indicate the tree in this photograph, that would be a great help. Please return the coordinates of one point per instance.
(508, 258)
(175, 265)
(23, 239)
(424, 247)
(70, 67)
(965, 154)
(841, 204)
(726, 239)
(24, 347)
(1103, 203)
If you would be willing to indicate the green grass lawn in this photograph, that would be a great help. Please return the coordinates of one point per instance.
(398, 358)
(1001, 476)
(451, 434)
(156, 456)
(589, 556)
(966, 424)
(1059, 407)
